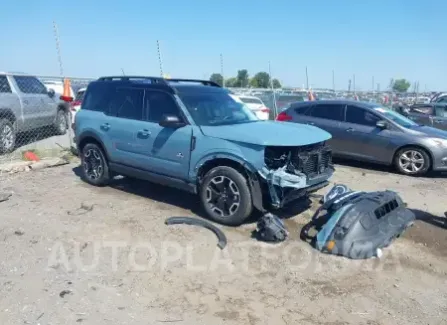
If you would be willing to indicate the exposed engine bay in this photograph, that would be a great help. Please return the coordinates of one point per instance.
(291, 172)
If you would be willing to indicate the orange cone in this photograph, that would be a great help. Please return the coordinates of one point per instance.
(30, 156)
(66, 96)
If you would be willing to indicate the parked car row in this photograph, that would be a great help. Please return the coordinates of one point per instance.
(370, 132)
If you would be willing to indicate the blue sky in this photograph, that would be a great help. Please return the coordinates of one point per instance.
(382, 38)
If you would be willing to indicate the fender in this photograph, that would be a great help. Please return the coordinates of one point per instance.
(91, 134)
(221, 155)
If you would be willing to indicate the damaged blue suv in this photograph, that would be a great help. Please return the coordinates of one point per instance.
(195, 136)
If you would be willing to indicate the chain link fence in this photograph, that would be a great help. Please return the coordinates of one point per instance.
(33, 117)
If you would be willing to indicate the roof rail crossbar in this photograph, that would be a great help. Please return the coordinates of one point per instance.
(203, 82)
(155, 80)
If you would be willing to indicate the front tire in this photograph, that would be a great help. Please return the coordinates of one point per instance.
(8, 136)
(412, 161)
(95, 167)
(225, 196)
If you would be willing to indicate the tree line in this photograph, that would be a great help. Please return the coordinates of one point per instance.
(243, 80)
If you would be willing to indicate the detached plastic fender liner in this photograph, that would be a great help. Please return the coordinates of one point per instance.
(201, 223)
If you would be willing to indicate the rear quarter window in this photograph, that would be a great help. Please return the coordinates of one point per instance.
(97, 97)
(301, 109)
(4, 85)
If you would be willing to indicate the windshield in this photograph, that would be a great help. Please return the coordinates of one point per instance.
(396, 117)
(216, 108)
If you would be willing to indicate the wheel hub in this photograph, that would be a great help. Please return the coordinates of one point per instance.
(222, 196)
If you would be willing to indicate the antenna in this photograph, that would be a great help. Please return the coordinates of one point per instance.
(159, 59)
(222, 70)
(58, 48)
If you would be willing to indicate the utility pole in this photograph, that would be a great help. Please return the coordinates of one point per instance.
(349, 85)
(353, 83)
(333, 81)
(273, 91)
(378, 87)
(159, 59)
(222, 70)
(58, 49)
(307, 79)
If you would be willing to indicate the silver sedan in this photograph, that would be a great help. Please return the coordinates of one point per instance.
(370, 132)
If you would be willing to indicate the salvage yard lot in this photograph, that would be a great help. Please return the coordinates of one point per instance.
(73, 253)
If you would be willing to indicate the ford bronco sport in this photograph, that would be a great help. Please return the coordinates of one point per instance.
(192, 135)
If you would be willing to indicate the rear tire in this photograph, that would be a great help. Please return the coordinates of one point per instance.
(61, 123)
(8, 136)
(412, 161)
(94, 164)
(225, 196)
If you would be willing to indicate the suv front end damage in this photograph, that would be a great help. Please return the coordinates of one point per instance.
(294, 171)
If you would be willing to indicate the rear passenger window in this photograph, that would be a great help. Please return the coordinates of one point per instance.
(361, 116)
(127, 103)
(159, 104)
(302, 109)
(328, 111)
(4, 85)
(30, 85)
(97, 97)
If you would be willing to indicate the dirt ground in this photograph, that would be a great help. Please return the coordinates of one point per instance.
(73, 253)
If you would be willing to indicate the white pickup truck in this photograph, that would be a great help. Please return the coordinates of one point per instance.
(26, 105)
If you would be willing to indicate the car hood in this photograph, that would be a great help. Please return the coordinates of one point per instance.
(268, 133)
(429, 131)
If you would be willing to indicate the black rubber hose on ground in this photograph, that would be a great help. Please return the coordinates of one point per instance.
(201, 223)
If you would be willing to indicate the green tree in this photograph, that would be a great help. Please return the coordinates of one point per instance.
(217, 78)
(401, 85)
(231, 82)
(260, 80)
(276, 83)
(242, 78)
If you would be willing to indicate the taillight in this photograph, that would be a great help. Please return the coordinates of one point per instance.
(283, 117)
(73, 104)
(265, 110)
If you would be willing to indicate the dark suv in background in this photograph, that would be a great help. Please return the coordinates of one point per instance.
(370, 132)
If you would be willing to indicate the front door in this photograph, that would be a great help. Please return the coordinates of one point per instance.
(169, 151)
(363, 139)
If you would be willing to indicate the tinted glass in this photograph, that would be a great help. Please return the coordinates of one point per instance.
(127, 103)
(328, 111)
(30, 85)
(250, 100)
(80, 96)
(302, 109)
(442, 100)
(361, 116)
(97, 97)
(159, 104)
(4, 85)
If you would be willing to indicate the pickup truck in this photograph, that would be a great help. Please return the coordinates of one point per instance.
(25, 105)
(431, 114)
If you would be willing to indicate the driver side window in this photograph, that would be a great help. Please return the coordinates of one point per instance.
(361, 116)
(160, 103)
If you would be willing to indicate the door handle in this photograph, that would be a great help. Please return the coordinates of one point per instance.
(105, 126)
(144, 133)
(350, 130)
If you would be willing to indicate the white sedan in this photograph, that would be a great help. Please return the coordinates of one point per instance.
(256, 105)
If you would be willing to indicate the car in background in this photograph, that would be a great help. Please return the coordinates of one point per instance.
(25, 105)
(76, 104)
(370, 132)
(431, 114)
(256, 105)
(58, 87)
(194, 136)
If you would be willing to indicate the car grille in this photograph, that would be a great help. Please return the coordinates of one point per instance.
(313, 160)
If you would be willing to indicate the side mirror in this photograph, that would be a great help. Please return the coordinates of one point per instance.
(382, 125)
(51, 93)
(171, 121)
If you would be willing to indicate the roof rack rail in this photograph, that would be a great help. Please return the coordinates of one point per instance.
(155, 80)
(203, 82)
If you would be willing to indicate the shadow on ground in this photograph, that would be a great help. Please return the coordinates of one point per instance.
(431, 219)
(187, 201)
(381, 169)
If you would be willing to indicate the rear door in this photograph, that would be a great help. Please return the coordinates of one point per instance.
(38, 108)
(362, 138)
(329, 117)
